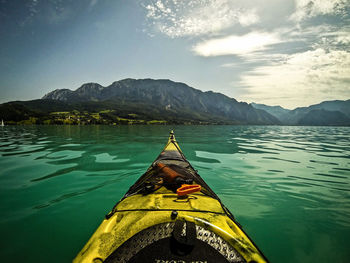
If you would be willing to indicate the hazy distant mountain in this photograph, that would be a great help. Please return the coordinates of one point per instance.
(148, 99)
(324, 117)
(335, 112)
(335, 105)
(277, 111)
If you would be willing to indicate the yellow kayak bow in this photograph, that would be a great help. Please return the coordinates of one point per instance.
(169, 215)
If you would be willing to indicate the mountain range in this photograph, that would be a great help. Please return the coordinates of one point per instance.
(145, 101)
(142, 99)
(336, 112)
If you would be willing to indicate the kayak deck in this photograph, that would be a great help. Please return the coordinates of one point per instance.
(151, 213)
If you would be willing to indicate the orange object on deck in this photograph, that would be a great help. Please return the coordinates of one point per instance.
(170, 174)
(186, 189)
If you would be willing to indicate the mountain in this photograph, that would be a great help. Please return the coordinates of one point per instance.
(172, 96)
(335, 112)
(321, 117)
(138, 101)
(277, 111)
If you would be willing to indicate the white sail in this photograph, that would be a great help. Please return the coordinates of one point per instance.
(2, 123)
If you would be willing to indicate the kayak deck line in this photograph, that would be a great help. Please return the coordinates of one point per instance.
(170, 210)
(146, 224)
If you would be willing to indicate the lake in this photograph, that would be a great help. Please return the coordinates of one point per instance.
(288, 186)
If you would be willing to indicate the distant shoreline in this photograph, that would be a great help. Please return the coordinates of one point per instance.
(172, 124)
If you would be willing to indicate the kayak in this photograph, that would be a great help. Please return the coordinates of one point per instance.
(170, 215)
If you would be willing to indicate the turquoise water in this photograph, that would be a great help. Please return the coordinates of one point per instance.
(288, 186)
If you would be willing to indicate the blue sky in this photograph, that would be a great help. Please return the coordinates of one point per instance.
(278, 52)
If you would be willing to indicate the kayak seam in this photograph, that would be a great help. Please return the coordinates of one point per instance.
(162, 210)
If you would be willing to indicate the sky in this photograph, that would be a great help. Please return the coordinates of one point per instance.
(291, 53)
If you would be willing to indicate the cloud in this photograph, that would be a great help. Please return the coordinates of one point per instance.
(236, 45)
(33, 5)
(181, 18)
(276, 60)
(336, 37)
(300, 79)
(248, 18)
(32, 12)
(92, 3)
(47, 12)
(58, 13)
(311, 8)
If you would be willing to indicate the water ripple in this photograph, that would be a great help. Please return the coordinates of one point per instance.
(266, 176)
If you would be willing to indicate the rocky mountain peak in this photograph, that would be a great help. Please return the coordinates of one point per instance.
(162, 93)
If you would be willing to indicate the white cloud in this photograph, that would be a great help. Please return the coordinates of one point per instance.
(248, 18)
(300, 79)
(343, 38)
(338, 37)
(311, 8)
(180, 18)
(276, 68)
(236, 45)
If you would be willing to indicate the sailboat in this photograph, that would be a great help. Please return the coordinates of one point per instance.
(2, 123)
